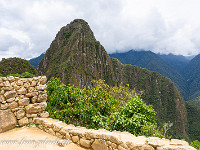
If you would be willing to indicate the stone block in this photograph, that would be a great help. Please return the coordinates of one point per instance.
(31, 115)
(7, 120)
(33, 108)
(43, 105)
(44, 114)
(19, 82)
(50, 131)
(121, 148)
(34, 99)
(42, 98)
(10, 100)
(7, 88)
(4, 106)
(178, 142)
(41, 87)
(10, 94)
(13, 105)
(43, 80)
(29, 95)
(33, 83)
(23, 121)
(31, 89)
(21, 91)
(85, 143)
(2, 92)
(20, 114)
(59, 135)
(2, 98)
(24, 102)
(99, 144)
(11, 78)
(7, 83)
(75, 139)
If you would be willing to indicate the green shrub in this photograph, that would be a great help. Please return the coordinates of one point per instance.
(195, 144)
(136, 117)
(23, 75)
(90, 108)
(98, 107)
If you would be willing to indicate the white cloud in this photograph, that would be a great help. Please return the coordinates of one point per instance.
(27, 27)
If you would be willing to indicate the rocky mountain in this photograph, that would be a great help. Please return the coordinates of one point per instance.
(152, 61)
(35, 61)
(15, 65)
(77, 57)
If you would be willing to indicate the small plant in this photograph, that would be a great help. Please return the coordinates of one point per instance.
(195, 144)
(166, 127)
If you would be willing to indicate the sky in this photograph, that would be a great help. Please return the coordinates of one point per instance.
(27, 27)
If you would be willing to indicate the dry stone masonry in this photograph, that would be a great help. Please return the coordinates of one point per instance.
(21, 100)
(105, 140)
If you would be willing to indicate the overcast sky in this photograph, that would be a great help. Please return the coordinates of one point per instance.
(27, 27)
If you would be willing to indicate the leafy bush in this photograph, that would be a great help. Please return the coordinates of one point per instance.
(135, 117)
(195, 144)
(90, 108)
(98, 107)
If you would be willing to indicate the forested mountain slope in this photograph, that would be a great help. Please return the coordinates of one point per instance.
(152, 61)
(15, 65)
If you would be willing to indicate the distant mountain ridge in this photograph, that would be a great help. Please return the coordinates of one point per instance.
(35, 61)
(178, 62)
(192, 76)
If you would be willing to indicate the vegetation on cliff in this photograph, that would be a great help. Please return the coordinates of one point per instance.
(15, 65)
(151, 61)
(193, 112)
(191, 74)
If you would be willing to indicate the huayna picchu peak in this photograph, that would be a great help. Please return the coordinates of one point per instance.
(76, 57)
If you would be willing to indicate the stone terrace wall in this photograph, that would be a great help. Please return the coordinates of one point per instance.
(105, 140)
(21, 100)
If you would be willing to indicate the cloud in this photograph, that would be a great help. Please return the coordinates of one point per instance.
(28, 27)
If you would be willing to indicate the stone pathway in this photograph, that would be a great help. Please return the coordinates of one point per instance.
(33, 139)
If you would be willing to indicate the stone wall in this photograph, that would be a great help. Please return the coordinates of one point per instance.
(105, 140)
(21, 100)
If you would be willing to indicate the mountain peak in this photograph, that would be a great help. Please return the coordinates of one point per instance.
(78, 29)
